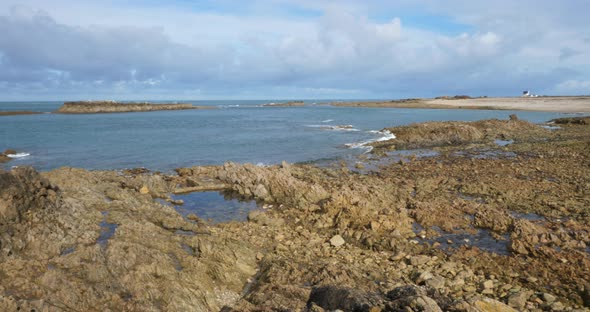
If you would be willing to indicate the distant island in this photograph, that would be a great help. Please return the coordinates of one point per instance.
(97, 107)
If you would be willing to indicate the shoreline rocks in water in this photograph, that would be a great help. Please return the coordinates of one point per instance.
(14, 113)
(4, 155)
(97, 107)
(330, 238)
(287, 104)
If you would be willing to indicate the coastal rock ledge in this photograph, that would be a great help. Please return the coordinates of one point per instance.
(97, 107)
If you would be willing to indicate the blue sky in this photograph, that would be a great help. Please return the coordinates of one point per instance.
(291, 49)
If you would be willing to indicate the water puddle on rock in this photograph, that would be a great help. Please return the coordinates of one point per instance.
(485, 154)
(215, 206)
(107, 230)
(374, 163)
(528, 216)
(483, 240)
(503, 142)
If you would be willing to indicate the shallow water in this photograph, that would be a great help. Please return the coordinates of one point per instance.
(482, 240)
(215, 206)
(107, 230)
(237, 131)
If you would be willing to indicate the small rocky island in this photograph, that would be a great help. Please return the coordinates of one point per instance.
(97, 107)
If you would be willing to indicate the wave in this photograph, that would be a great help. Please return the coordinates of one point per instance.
(18, 155)
(336, 128)
(328, 120)
(385, 136)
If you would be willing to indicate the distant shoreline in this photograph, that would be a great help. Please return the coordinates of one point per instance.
(565, 104)
(13, 113)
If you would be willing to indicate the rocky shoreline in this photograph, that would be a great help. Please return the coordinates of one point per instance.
(477, 227)
(5, 156)
(572, 104)
(98, 107)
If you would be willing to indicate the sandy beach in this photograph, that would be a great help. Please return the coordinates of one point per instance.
(566, 104)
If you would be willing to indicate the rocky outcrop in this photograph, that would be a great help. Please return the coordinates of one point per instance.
(430, 134)
(4, 156)
(572, 121)
(98, 243)
(96, 107)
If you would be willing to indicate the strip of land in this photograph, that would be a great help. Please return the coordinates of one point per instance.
(12, 113)
(97, 107)
(566, 104)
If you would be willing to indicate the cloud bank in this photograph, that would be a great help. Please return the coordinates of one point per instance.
(291, 49)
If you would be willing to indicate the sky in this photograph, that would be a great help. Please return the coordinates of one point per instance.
(291, 49)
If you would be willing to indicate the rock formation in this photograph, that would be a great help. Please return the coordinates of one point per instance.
(96, 107)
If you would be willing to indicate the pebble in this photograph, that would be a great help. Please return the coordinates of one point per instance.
(549, 298)
(337, 241)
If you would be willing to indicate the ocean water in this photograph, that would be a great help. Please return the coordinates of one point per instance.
(239, 131)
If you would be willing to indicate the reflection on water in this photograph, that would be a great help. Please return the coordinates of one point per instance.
(215, 206)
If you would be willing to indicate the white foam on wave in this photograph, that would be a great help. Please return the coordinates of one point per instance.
(385, 136)
(335, 128)
(328, 120)
(18, 155)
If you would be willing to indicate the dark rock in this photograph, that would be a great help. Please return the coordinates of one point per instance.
(346, 299)
(21, 190)
(411, 296)
(513, 117)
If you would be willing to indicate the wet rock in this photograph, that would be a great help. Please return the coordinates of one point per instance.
(4, 156)
(177, 202)
(337, 241)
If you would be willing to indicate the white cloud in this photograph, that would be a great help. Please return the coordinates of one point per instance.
(99, 47)
(574, 86)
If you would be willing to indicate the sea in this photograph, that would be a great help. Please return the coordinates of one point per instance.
(237, 131)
